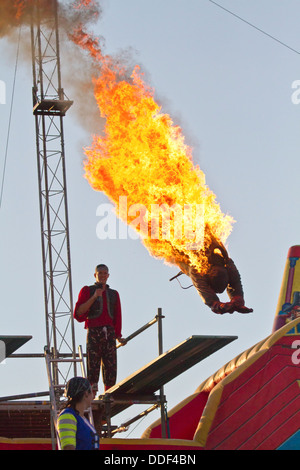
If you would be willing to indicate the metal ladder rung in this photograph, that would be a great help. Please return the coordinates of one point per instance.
(65, 360)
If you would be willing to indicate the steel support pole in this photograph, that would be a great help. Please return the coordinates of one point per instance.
(161, 392)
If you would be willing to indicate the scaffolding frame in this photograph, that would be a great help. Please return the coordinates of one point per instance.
(157, 401)
(103, 403)
(138, 388)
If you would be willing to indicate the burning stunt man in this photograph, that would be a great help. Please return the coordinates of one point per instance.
(221, 274)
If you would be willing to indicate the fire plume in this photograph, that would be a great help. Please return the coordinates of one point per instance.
(142, 157)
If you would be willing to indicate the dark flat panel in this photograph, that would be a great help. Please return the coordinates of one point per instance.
(12, 343)
(167, 366)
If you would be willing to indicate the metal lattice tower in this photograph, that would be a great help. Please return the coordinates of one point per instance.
(49, 108)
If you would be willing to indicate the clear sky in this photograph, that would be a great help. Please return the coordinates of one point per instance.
(229, 87)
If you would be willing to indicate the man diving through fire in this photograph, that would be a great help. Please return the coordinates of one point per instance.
(221, 274)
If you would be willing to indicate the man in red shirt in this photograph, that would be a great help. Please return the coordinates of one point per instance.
(99, 307)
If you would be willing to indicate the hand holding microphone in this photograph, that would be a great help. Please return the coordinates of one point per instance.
(99, 291)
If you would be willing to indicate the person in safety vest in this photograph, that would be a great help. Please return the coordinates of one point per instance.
(99, 307)
(75, 432)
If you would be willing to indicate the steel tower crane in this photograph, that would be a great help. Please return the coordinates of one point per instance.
(50, 105)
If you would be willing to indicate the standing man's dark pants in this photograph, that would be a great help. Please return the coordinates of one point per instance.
(101, 351)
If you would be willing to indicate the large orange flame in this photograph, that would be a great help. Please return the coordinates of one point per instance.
(142, 158)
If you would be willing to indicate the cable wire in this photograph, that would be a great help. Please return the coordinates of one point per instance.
(255, 27)
(188, 287)
(9, 121)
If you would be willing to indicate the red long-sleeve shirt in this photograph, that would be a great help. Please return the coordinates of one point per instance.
(104, 319)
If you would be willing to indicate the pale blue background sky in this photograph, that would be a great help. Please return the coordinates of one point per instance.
(229, 87)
